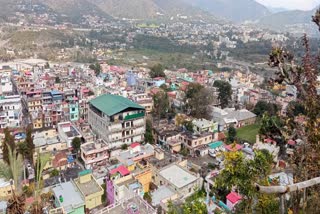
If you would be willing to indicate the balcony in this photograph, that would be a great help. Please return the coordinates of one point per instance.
(134, 116)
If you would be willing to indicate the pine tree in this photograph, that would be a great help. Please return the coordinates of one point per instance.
(29, 144)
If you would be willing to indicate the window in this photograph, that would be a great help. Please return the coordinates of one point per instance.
(189, 189)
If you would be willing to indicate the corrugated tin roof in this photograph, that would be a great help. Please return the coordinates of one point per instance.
(112, 104)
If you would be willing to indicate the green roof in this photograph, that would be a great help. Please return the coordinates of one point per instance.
(134, 116)
(215, 145)
(85, 172)
(112, 104)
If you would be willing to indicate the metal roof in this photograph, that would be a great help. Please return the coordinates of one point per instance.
(112, 104)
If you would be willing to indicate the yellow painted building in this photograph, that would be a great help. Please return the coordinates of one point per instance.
(145, 178)
(90, 189)
(5, 189)
(37, 123)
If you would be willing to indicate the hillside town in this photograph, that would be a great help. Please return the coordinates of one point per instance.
(116, 139)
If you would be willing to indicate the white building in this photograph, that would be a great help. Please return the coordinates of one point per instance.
(6, 87)
(10, 111)
(67, 132)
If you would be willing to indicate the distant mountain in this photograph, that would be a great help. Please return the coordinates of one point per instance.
(66, 9)
(234, 10)
(73, 8)
(281, 19)
(149, 9)
(277, 9)
(296, 22)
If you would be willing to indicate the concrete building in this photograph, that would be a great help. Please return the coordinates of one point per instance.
(145, 101)
(94, 154)
(90, 189)
(229, 116)
(5, 189)
(35, 106)
(73, 109)
(133, 204)
(10, 111)
(116, 120)
(193, 141)
(48, 141)
(68, 197)
(67, 132)
(183, 182)
(6, 87)
(203, 125)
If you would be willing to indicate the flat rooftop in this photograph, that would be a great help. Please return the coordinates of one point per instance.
(93, 146)
(89, 187)
(141, 207)
(163, 192)
(177, 176)
(72, 198)
(73, 132)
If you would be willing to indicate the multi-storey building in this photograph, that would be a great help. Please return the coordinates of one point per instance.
(34, 104)
(10, 111)
(117, 120)
(145, 101)
(193, 141)
(6, 87)
(94, 154)
(67, 132)
(73, 108)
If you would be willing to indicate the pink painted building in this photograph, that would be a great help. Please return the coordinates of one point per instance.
(233, 198)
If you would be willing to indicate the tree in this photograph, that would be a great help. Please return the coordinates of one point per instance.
(124, 146)
(54, 173)
(147, 197)
(184, 151)
(198, 100)
(306, 160)
(188, 125)
(41, 162)
(76, 144)
(148, 136)
(192, 90)
(13, 169)
(22, 149)
(225, 92)
(295, 109)
(197, 206)
(172, 209)
(16, 204)
(29, 144)
(265, 107)
(57, 80)
(161, 104)
(157, 71)
(272, 127)
(164, 87)
(47, 66)
(7, 142)
(242, 174)
(96, 67)
(232, 134)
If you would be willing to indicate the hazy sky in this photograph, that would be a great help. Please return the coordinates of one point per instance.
(291, 4)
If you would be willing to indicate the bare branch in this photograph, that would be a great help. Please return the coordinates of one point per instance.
(288, 188)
